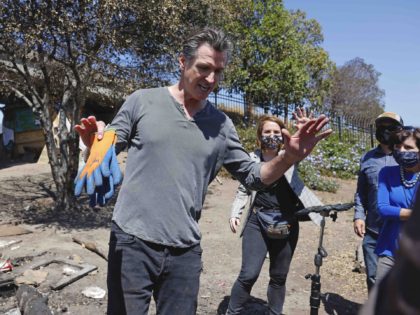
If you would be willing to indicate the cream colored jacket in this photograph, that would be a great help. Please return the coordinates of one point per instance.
(305, 195)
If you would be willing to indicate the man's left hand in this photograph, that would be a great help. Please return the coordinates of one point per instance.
(302, 142)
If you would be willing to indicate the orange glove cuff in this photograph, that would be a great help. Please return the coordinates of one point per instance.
(98, 151)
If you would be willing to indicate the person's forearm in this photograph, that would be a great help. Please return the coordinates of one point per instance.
(360, 197)
(359, 211)
(274, 169)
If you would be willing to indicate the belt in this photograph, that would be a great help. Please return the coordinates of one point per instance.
(261, 209)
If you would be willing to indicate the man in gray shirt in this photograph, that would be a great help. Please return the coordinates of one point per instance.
(177, 142)
(367, 221)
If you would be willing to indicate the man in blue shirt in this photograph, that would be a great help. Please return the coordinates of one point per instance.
(367, 222)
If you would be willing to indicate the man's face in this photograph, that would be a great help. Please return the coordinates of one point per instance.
(384, 131)
(202, 73)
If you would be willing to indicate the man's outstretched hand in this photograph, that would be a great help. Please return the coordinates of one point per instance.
(309, 133)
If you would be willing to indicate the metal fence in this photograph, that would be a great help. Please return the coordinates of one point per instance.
(352, 129)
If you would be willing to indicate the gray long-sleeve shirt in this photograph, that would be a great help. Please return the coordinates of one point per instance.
(171, 161)
(366, 197)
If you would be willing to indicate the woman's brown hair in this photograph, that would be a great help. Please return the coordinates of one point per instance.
(406, 132)
(263, 119)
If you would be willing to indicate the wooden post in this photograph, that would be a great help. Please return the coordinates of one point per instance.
(339, 128)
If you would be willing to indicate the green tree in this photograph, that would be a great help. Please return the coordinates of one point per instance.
(355, 90)
(54, 54)
(278, 60)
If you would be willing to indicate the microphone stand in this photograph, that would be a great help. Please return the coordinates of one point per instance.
(324, 211)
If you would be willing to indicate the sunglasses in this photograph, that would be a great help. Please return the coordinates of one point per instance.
(391, 128)
(408, 128)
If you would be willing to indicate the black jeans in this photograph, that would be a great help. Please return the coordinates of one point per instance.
(255, 245)
(137, 269)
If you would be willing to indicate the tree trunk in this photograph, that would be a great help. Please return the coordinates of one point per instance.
(69, 154)
(65, 200)
(63, 158)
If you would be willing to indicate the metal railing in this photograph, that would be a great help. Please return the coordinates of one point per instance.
(349, 128)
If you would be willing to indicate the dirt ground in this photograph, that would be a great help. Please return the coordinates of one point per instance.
(25, 200)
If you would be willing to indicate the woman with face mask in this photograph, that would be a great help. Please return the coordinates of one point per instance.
(397, 186)
(269, 225)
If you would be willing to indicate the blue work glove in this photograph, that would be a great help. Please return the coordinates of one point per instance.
(101, 164)
(103, 193)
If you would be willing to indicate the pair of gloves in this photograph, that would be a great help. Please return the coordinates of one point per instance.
(101, 173)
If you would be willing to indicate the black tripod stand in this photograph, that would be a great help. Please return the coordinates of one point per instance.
(324, 211)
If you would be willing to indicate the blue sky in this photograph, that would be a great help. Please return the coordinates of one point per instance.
(385, 33)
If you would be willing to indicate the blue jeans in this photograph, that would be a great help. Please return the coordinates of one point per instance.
(138, 269)
(255, 245)
(371, 259)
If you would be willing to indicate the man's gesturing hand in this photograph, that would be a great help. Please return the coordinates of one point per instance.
(302, 142)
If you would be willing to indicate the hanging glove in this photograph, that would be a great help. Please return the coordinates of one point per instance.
(102, 163)
(102, 193)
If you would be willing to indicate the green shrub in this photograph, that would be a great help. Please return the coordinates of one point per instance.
(312, 178)
(335, 158)
(248, 137)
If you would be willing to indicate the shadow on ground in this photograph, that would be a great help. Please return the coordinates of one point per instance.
(254, 306)
(335, 304)
(34, 196)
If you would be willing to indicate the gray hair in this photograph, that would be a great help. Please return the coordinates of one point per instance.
(217, 39)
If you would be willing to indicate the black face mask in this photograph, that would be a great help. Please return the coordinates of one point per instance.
(406, 159)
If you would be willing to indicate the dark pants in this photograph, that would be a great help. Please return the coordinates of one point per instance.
(255, 245)
(385, 264)
(138, 269)
(371, 259)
